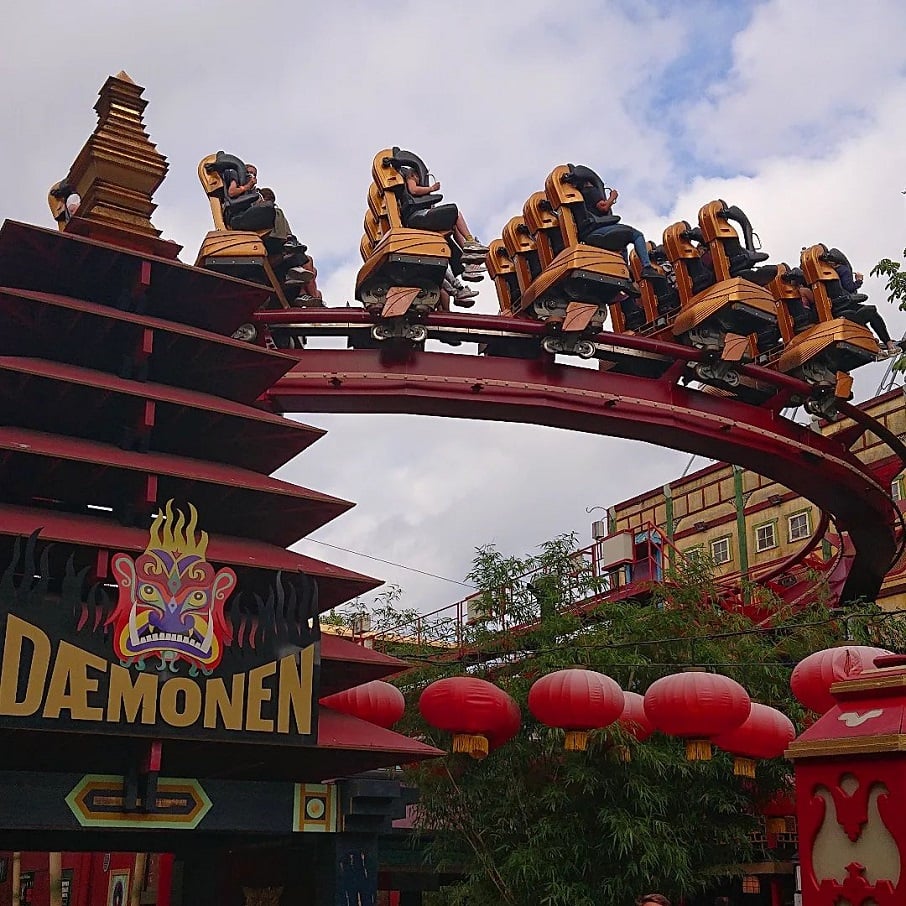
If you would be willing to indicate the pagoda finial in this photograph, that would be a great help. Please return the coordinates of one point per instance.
(119, 168)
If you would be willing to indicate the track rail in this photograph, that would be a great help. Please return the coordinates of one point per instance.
(654, 407)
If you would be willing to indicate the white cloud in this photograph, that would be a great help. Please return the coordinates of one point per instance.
(807, 121)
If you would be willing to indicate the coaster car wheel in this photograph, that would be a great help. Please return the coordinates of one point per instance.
(382, 332)
(585, 349)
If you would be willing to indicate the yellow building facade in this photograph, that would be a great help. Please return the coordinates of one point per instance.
(744, 523)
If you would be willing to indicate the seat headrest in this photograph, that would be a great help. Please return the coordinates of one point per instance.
(402, 158)
(224, 162)
(835, 256)
(579, 174)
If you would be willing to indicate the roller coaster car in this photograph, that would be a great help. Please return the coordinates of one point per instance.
(723, 318)
(729, 257)
(823, 353)
(248, 253)
(563, 282)
(659, 300)
(404, 267)
(502, 271)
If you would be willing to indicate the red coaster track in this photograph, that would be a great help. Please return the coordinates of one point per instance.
(651, 406)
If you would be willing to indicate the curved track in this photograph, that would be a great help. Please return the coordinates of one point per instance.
(652, 407)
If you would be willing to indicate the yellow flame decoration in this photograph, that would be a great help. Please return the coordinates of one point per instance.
(170, 532)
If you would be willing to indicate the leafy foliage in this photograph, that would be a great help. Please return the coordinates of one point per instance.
(896, 290)
(533, 824)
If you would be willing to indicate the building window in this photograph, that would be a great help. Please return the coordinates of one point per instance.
(765, 536)
(896, 488)
(694, 554)
(800, 526)
(720, 550)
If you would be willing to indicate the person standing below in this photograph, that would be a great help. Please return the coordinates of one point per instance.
(652, 899)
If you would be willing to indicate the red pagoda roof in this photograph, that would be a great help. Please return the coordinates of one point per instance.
(48, 396)
(77, 332)
(53, 262)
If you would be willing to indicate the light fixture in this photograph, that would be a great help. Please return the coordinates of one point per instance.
(776, 499)
(700, 526)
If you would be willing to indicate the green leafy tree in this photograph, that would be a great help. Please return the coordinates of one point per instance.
(533, 824)
(896, 290)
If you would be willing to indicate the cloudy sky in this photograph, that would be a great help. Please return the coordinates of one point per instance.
(791, 109)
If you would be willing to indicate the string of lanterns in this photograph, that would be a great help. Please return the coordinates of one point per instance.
(704, 709)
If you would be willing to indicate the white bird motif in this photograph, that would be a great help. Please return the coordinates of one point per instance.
(855, 719)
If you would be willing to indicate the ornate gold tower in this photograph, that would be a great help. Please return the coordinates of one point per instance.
(117, 172)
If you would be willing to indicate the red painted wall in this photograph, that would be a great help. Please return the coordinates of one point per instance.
(93, 879)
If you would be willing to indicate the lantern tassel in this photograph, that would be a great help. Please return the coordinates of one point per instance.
(698, 750)
(470, 744)
(623, 754)
(576, 740)
(744, 767)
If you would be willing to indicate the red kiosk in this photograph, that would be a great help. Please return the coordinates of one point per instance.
(851, 793)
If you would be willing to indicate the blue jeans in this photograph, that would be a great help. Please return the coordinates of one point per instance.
(638, 240)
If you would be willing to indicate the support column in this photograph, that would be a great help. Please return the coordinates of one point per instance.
(348, 870)
(741, 533)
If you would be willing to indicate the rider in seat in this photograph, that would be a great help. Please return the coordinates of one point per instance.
(601, 227)
(847, 302)
(421, 209)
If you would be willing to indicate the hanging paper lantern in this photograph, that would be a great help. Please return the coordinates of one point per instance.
(813, 676)
(576, 701)
(633, 721)
(696, 705)
(777, 809)
(765, 733)
(471, 709)
(377, 702)
(509, 728)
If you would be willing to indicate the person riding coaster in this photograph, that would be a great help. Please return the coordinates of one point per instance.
(733, 319)
(565, 283)
(403, 273)
(245, 242)
(821, 345)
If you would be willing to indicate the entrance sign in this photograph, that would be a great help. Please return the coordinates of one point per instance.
(173, 657)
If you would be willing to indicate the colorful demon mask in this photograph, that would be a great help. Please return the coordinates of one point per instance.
(171, 599)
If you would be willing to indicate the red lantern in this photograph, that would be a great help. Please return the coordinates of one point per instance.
(696, 705)
(813, 676)
(576, 701)
(765, 733)
(377, 702)
(509, 728)
(471, 709)
(634, 720)
(777, 809)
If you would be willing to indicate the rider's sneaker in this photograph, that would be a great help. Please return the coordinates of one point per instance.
(892, 348)
(465, 297)
(299, 275)
(649, 273)
(474, 272)
(473, 247)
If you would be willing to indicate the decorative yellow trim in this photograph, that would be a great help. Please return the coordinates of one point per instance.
(469, 744)
(698, 750)
(576, 741)
(859, 745)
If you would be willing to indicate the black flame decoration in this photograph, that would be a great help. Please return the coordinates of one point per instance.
(286, 618)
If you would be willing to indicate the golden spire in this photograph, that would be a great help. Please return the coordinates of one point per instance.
(119, 168)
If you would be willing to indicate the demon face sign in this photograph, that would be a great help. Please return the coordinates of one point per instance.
(171, 600)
